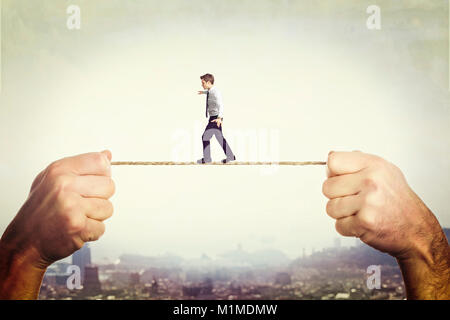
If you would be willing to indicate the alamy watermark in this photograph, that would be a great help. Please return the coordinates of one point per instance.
(74, 18)
(374, 20)
(74, 280)
(374, 278)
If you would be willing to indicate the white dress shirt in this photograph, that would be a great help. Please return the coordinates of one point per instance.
(215, 102)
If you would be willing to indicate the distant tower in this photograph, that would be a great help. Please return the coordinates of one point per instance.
(304, 253)
(82, 258)
(207, 286)
(135, 278)
(154, 289)
(91, 280)
(283, 278)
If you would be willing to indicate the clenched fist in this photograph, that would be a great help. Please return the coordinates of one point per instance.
(66, 207)
(370, 199)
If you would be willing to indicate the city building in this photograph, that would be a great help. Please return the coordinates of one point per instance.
(82, 258)
(91, 280)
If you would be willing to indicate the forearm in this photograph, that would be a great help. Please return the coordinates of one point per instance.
(427, 275)
(20, 277)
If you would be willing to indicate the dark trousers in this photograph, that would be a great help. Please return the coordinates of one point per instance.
(212, 130)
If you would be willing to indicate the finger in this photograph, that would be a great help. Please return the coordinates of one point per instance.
(92, 231)
(94, 186)
(94, 163)
(348, 226)
(327, 172)
(347, 162)
(344, 206)
(97, 209)
(108, 154)
(341, 186)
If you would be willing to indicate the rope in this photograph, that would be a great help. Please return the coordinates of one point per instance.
(233, 163)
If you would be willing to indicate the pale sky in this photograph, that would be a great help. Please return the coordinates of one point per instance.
(301, 78)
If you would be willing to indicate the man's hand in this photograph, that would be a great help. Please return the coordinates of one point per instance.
(370, 199)
(66, 207)
(218, 122)
(201, 92)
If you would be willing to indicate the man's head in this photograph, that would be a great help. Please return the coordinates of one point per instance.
(207, 81)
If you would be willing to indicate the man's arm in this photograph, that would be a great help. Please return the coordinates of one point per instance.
(20, 273)
(66, 207)
(370, 199)
(426, 272)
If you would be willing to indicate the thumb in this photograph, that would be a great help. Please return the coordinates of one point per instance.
(108, 154)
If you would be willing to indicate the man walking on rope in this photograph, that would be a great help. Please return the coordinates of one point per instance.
(214, 108)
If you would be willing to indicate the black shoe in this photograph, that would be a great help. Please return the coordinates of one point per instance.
(229, 159)
(202, 160)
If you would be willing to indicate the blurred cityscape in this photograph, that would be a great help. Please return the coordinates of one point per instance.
(332, 273)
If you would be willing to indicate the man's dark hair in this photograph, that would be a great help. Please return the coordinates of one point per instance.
(208, 77)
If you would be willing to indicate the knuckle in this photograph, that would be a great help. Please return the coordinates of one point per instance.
(76, 222)
(54, 168)
(68, 204)
(378, 164)
(63, 200)
(60, 184)
(369, 183)
(379, 160)
(371, 199)
(374, 160)
(54, 177)
(367, 220)
(395, 171)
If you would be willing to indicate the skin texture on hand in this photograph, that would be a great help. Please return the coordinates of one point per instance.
(218, 121)
(66, 207)
(371, 199)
